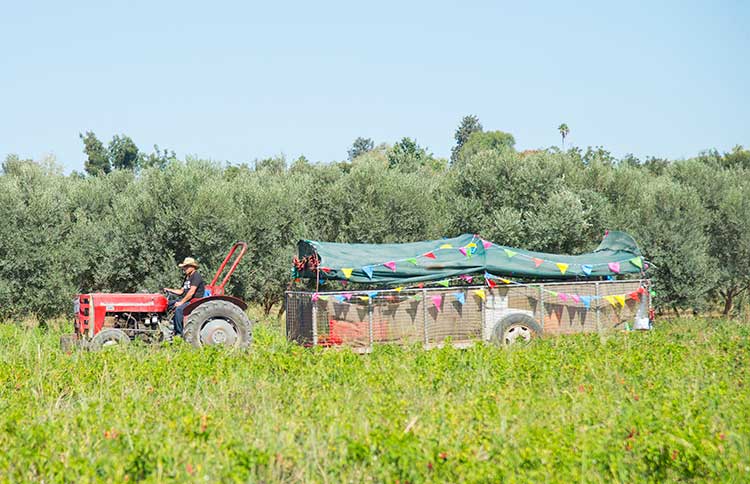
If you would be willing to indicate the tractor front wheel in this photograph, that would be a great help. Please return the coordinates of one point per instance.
(109, 337)
(218, 323)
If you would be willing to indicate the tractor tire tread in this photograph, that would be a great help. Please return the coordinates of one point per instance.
(194, 321)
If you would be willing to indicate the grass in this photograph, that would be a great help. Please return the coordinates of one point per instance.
(672, 404)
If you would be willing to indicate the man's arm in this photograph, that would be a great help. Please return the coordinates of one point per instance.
(187, 296)
(173, 291)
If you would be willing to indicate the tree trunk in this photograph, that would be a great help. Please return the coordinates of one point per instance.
(728, 301)
(267, 306)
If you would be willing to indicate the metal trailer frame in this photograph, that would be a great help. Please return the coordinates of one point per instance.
(435, 316)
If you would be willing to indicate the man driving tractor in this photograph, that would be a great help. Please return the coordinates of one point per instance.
(192, 288)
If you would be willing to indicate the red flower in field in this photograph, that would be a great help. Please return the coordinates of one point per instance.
(189, 468)
(111, 434)
(581, 389)
(722, 436)
(204, 423)
(636, 397)
(443, 456)
(429, 465)
(675, 453)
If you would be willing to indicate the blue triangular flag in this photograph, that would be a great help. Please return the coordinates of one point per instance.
(339, 298)
(460, 297)
(586, 300)
(368, 270)
(587, 268)
(372, 294)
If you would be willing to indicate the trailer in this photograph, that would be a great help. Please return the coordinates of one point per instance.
(462, 291)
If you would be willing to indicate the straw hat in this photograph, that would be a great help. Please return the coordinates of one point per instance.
(189, 261)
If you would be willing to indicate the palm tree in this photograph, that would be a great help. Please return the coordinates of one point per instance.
(564, 130)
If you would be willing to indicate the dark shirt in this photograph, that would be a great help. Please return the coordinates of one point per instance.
(194, 280)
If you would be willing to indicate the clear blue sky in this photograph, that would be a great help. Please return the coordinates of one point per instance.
(236, 81)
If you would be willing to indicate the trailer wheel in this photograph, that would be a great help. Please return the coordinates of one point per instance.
(109, 337)
(515, 328)
(218, 323)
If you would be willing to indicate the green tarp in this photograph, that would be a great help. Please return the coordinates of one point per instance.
(433, 260)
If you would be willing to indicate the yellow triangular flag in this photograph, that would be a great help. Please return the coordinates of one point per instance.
(480, 293)
(620, 299)
(347, 272)
(611, 300)
(562, 266)
(399, 289)
(364, 298)
(504, 281)
(446, 246)
(470, 245)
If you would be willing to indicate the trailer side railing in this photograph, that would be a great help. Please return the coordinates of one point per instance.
(463, 315)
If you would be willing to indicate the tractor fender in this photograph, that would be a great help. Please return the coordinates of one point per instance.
(234, 300)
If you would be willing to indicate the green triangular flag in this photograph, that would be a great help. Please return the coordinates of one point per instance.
(444, 283)
(412, 260)
(636, 261)
(553, 293)
(509, 253)
(417, 297)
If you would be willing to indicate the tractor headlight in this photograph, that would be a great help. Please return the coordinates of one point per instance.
(76, 305)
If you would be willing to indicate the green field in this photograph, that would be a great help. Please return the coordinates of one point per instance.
(672, 404)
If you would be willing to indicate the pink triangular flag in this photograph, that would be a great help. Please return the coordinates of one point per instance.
(462, 250)
(391, 265)
(347, 295)
(614, 267)
(486, 244)
(430, 255)
(437, 301)
(314, 297)
(466, 277)
(576, 297)
(537, 262)
(562, 296)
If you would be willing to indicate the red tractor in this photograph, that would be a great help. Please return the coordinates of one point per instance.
(103, 319)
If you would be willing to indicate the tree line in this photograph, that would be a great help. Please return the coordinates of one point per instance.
(125, 223)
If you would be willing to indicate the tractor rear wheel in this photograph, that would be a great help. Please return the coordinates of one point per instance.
(109, 337)
(218, 323)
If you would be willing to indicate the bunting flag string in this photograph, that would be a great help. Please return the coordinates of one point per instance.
(587, 269)
(615, 299)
